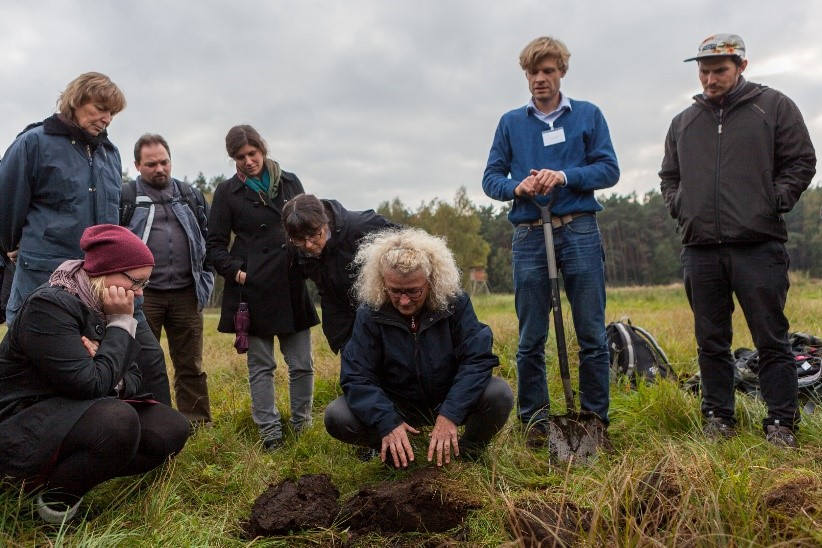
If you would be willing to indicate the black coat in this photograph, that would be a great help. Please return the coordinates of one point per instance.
(332, 271)
(48, 380)
(274, 289)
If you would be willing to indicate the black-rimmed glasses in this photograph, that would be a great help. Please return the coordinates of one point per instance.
(135, 283)
(412, 293)
(301, 241)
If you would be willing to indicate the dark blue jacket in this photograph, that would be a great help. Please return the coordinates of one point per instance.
(444, 368)
(53, 187)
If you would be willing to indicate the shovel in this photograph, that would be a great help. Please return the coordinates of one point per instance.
(575, 437)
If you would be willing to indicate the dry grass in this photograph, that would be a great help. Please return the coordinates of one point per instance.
(665, 485)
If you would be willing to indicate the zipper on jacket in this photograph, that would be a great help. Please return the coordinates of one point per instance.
(92, 184)
(716, 185)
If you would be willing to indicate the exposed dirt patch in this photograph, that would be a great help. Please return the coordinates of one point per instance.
(310, 502)
(793, 507)
(795, 497)
(657, 499)
(537, 524)
(423, 501)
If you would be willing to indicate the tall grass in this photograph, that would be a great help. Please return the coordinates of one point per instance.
(665, 485)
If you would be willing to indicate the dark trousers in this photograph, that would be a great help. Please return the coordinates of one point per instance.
(152, 364)
(177, 311)
(114, 438)
(486, 417)
(757, 274)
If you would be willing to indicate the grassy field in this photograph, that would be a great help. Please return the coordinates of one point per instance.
(664, 485)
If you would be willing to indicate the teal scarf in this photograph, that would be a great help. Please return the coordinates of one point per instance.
(269, 182)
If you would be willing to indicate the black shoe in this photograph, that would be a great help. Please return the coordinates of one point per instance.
(781, 436)
(472, 452)
(536, 437)
(272, 444)
(366, 454)
(717, 428)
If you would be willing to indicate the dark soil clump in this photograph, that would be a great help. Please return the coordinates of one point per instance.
(658, 499)
(310, 502)
(536, 524)
(420, 502)
(795, 497)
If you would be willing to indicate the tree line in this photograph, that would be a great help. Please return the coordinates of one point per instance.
(642, 245)
(640, 238)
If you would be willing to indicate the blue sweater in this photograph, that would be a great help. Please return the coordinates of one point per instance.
(586, 156)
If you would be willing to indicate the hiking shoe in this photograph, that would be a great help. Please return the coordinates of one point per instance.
(55, 512)
(781, 436)
(717, 428)
(536, 437)
(272, 444)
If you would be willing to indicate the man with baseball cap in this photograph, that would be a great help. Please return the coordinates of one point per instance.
(735, 161)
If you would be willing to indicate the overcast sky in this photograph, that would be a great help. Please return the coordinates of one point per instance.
(368, 100)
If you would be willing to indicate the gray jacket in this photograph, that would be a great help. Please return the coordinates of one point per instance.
(730, 173)
(141, 222)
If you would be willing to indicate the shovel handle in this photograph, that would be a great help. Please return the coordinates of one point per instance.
(556, 304)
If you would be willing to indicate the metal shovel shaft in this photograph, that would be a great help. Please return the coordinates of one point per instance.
(556, 307)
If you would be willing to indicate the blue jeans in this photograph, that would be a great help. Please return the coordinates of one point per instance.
(757, 274)
(581, 261)
(296, 349)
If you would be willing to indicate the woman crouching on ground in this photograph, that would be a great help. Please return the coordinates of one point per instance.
(70, 414)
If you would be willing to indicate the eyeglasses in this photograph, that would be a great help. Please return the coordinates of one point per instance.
(413, 293)
(135, 283)
(301, 241)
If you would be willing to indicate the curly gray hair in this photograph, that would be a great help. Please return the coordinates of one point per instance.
(405, 251)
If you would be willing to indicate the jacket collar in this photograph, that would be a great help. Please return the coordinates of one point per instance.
(54, 125)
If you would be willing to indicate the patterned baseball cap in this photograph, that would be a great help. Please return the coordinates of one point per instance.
(719, 45)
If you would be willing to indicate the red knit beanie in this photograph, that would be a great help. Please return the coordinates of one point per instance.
(112, 248)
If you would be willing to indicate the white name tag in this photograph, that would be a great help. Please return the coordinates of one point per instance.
(553, 136)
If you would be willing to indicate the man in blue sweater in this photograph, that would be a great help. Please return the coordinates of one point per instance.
(554, 144)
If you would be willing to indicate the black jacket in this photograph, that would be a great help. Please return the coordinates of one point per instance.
(47, 378)
(332, 271)
(729, 174)
(275, 291)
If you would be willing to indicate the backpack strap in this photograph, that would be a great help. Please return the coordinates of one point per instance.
(652, 341)
(195, 201)
(624, 331)
(128, 201)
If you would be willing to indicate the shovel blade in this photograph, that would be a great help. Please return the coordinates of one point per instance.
(577, 438)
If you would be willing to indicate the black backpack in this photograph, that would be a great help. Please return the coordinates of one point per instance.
(190, 196)
(807, 353)
(635, 353)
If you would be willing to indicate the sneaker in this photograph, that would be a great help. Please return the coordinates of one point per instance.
(272, 444)
(56, 513)
(536, 437)
(781, 436)
(717, 428)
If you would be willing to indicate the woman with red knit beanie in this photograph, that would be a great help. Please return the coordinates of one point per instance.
(71, 416)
